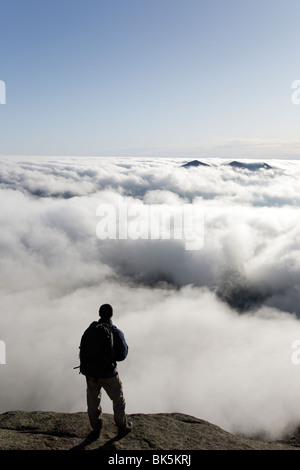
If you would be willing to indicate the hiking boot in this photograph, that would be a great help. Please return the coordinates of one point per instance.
(95, 433)
(123, 430)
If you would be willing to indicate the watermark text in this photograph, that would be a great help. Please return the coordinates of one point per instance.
(155, 221)
(295, 358)
(2, 92)
(2, 352)
(296, 93)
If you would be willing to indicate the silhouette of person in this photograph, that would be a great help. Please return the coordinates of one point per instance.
(109, 381)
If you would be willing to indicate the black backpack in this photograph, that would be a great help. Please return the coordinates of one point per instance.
(96, 350)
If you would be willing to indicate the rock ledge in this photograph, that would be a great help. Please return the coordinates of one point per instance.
(42, 430)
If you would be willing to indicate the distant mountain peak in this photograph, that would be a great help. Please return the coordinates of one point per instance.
(194, 163)
(250, 166)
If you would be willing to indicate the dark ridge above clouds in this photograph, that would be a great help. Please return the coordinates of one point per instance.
(253, 166)
(194, 163)
(250, 166)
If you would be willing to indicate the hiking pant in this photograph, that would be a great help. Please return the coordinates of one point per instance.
(114, 389)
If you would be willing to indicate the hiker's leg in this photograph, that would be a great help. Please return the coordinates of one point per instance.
(93, 394)
(114, 389)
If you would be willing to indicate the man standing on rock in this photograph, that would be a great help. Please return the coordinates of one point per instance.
(102, 346)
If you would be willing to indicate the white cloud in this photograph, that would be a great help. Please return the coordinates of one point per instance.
(209, 331)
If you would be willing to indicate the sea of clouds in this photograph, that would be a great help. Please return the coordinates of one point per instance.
(210, 331)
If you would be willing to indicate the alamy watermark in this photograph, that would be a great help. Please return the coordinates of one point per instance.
(295, 358)
(2, 352)
(2, 92)
(155, 222)
(296, 94)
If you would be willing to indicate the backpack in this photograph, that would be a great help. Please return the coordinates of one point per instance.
(96, 350)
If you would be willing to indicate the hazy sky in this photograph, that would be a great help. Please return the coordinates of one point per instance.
(149, 77)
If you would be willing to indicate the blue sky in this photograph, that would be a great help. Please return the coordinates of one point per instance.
(150, 77)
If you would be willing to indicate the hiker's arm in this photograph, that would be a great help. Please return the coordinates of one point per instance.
(120, 345)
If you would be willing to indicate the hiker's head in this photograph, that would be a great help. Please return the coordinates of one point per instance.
(106, 311)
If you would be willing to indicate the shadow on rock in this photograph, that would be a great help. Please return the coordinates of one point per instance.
(92, 437)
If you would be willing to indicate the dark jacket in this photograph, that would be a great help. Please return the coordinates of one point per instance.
(89, 351)
(120, 347)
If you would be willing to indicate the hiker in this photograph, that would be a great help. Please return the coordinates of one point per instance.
(105, 340)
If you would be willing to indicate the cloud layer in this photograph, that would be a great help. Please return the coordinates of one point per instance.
(209, 331)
